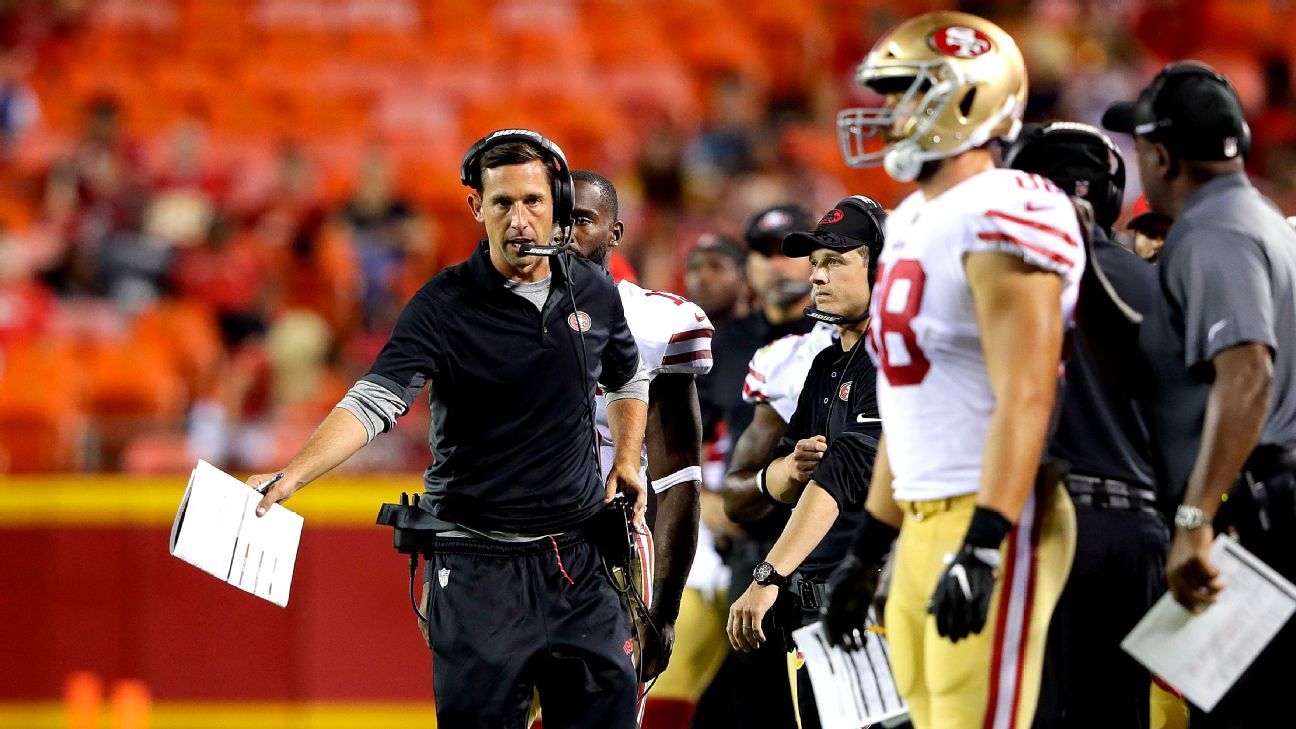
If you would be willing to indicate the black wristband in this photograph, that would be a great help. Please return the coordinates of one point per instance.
(988, 528)
(873, 539)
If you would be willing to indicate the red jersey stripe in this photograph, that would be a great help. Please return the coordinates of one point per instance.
(671, 359)
(690, 334)
(1005, 238)
(1036, 225)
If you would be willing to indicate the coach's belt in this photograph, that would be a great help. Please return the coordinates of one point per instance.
(1110, 493)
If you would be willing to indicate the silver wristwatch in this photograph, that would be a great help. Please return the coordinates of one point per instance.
(1189, 517)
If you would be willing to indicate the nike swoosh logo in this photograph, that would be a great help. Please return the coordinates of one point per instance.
(1035, 207)
(1215, 329)
(862, 419)
(700, 317)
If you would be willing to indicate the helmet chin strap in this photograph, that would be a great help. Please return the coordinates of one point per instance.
(834, 319)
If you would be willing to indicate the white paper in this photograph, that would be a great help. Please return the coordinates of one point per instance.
(217, 530)
(852, 688)
(1204, 655)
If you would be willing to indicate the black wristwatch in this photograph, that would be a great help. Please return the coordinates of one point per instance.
(765, 574)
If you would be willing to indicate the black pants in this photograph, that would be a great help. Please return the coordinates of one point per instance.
(1118, 573)
(1262, 696)
(506, 618)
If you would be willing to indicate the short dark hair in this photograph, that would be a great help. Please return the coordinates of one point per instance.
(513, 153)
(606, 189)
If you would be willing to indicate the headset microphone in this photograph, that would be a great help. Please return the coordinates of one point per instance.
(834, 319)
(564, 241)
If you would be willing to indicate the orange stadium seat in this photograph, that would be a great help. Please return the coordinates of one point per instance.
(133, 387)
(42, 423)
(186, 332)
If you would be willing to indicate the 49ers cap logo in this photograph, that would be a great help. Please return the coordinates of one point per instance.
(843, 392)
(579, 321)
(960, 41)
(832, 216)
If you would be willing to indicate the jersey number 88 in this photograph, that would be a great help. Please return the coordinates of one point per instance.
(900, 293)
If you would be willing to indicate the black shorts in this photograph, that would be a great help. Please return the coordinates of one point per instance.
(507, 618)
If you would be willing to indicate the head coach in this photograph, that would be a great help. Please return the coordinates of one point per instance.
(510, 345)
(1220, 343)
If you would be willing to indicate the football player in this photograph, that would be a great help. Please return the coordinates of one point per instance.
(674, 340)
(975, 291)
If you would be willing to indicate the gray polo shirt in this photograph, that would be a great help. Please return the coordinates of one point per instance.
(1226, 277)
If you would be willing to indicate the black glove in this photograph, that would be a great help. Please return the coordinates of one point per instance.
(962, 598)
(850, 593)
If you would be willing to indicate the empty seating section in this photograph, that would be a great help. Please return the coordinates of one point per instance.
(421, 74)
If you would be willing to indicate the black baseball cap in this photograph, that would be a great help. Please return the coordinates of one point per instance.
(854, 222)
(721, 245)
(767, 229)
(1190, 108)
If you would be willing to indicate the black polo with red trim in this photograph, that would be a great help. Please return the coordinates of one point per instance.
(511, 391)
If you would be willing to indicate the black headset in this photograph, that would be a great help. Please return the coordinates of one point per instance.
(1064, 168)
(564, 194)
(1173, 73)
(876, 213)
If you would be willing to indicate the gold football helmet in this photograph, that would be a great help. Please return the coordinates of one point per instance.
(952, 82)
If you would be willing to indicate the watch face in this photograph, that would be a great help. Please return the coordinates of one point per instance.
(762, 571)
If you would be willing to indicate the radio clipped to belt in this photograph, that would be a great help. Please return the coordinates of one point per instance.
(412, 532)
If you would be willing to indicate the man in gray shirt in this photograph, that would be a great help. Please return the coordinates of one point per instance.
(1220, 345)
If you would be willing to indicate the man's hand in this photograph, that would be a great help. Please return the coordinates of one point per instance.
(625, 479)
(745, 616)
(850, 592)
(657, 652)
(962, 598)
(1193, 581)
(802, 460)
(281, 487)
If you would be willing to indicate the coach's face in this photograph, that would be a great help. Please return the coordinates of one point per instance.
(516, 207)
(840, 281)
(595, 230)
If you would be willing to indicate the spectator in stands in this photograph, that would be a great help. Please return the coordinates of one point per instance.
(384, 232)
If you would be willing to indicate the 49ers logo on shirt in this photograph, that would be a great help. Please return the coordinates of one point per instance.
(960, 41)
(843, 392)
(579, 321)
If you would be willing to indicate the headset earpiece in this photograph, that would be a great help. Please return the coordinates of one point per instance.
(563, 190)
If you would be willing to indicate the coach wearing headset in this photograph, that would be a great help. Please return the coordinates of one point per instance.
(1220, 342)
(510, 345)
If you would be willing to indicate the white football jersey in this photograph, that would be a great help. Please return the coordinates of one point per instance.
(933, 389)
(778, 370)
(673, 335)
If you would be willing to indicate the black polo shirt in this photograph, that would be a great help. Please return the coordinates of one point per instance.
(839, 402)
(512, 416)
(1102, 429)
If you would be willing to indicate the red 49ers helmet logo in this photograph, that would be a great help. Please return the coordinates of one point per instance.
(960, 41)
(843, 392)
(579, 321)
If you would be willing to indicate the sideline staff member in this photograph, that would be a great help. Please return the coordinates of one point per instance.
(823, 462)
(1220, 343)
(1121, 539)
(519, 598)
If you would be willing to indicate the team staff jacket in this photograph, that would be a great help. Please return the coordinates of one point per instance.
(839, 402)
(512, 432)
